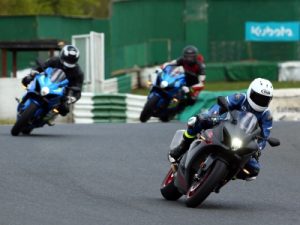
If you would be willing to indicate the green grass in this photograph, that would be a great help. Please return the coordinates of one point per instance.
(227, 86)
(6, 122)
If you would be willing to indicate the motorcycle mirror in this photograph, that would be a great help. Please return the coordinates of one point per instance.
(223, 103)
(273, 142)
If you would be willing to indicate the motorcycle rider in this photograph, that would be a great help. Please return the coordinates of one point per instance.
(66, 61)
(256, 101)
(194, 67)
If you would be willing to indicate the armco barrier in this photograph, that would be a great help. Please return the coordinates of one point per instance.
(92, 108)
(110, 85)
(109, 108)
(135, 104)
(82, 112)
(104, 108)
(120, 84)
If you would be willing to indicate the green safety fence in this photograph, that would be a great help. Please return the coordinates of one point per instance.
(205, 100)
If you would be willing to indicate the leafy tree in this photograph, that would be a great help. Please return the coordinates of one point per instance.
(86, 8)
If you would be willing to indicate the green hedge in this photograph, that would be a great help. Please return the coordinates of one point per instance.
(241, 71)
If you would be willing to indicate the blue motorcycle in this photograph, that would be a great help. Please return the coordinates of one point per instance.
(165, 95)
(39, 103)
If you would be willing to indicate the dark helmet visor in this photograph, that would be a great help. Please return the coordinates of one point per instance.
(260, 99)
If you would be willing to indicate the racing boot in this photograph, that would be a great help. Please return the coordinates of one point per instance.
(50, 117)
(250, 171)
(176, 153)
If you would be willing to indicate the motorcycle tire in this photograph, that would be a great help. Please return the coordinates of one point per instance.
(27, 131)
(148, 109)
(165, 118)
(26, 116)
(168, 189)
(201, 189)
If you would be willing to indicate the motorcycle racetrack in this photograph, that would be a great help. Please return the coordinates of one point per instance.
(110, 174)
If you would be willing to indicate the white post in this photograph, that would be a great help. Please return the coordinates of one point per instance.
(94, 67)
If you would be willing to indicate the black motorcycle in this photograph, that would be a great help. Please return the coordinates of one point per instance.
(216, 157)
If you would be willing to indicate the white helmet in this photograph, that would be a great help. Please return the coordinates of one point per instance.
(259, 94)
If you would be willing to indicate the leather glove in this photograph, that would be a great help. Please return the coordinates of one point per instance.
(257, 155)
(33, 73)
(185, 89)
(159, 70)
(215, 119)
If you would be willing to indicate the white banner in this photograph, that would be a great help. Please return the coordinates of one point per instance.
(286, 104)
(289, 71)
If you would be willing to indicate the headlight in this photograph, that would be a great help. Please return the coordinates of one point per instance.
(45, 91)
(236, 143)
(164, 84)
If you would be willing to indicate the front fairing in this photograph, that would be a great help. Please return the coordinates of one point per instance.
(47, 87)
(173, 79)
(217, 143)
(46, 91)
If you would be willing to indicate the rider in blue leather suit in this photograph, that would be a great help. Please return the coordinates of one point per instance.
(256, 101)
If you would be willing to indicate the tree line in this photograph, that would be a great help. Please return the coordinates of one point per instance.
(86, 8)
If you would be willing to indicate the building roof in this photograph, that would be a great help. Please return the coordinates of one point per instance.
(32, 45)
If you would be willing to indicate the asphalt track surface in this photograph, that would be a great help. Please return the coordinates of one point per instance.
(111, 173)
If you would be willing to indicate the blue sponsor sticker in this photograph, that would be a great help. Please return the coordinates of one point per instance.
(272, 31)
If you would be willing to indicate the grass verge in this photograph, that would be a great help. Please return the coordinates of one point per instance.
(227, 86)
(6, 122)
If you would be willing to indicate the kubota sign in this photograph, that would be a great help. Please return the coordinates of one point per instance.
(272, 31)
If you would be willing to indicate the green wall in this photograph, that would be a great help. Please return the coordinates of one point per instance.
(20, 28)
(196, 24)
(226, 29)
(48, 27)
(141, 30)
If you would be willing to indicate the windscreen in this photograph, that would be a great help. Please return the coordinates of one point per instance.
(175, 70)
(57, 75)
(247, 121)
(171, 74)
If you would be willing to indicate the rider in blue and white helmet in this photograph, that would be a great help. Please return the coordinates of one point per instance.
(256, 101)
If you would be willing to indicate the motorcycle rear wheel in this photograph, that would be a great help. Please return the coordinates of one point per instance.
(148, 109)
(201, 189)
(26, 116)
(168, 189)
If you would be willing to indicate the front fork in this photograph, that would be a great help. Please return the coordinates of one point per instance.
(204, 166)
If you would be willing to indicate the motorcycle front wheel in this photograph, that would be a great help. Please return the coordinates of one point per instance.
(23, 120)
(202, 187)
(168, 189)
(148, 109)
